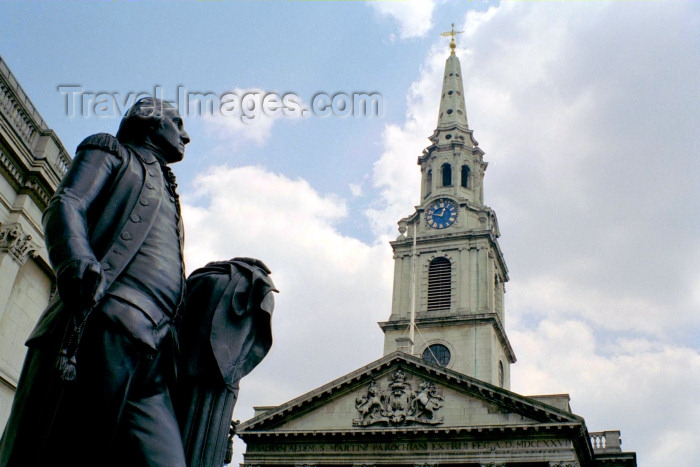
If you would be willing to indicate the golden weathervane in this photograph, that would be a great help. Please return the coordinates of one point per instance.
(452, 33)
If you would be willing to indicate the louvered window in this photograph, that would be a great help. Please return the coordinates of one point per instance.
(439, 284)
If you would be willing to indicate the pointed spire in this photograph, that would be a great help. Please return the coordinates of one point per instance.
(453, 111)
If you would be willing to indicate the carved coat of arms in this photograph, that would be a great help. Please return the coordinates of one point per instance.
(399, 404)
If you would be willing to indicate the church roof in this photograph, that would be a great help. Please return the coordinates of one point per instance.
(434, 397)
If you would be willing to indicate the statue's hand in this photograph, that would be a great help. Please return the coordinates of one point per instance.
(81, 283)
(254, 262)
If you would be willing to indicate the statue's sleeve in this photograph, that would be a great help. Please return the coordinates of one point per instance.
(65, 220)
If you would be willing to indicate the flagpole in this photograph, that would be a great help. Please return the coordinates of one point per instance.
(412, 324)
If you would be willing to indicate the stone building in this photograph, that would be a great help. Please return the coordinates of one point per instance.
(440, 395)
(32, 162)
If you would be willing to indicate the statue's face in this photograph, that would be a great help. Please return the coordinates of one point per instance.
(170, 136)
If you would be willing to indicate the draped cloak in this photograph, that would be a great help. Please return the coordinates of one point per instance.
(224, 333)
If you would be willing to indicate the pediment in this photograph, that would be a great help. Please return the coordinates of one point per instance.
(402, 392)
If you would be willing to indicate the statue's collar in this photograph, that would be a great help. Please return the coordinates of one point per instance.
(149, 153)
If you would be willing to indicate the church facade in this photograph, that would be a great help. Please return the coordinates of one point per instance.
(440, 395)
(32, 163)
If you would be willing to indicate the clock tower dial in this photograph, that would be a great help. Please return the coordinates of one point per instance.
(441, 213)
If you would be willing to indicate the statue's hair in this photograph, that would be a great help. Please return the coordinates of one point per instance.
(145, 115)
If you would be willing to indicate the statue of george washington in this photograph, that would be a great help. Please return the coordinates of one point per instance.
(95, 386)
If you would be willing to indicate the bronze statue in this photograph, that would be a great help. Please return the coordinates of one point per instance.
(94, 389)
(224, 334)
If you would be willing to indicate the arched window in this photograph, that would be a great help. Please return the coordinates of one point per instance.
(439, 284)
(500, 373)
(429, 182)
(465, 176)
(437, 354)
(446, 174)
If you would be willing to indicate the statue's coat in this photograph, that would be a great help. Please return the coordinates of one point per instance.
(225, 332)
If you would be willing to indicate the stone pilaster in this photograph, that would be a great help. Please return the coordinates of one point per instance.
(16, 247)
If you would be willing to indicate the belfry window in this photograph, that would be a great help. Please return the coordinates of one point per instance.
(465, 176)
(429, 182)
(501, 376)
(446, 174)
(439, 284)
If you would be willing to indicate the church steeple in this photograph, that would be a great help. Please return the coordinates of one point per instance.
(449, 272)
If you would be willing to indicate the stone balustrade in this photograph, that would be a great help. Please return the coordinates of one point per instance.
(606, 441)
(43, 150)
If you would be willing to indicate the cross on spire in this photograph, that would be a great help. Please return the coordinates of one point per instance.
(452, 33)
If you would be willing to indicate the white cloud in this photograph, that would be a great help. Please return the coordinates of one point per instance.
(246, 115)
(569, 104)
(333, 288)
(569, 107)
(415, 17)
(396, 173)
(649, 389)
(356, 189)
(249, 211)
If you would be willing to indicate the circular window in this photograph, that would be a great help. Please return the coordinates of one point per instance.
(437, 354)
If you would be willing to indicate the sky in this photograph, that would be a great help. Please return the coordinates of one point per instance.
(587, 112)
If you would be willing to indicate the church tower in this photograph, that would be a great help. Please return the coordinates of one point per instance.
(449, 272)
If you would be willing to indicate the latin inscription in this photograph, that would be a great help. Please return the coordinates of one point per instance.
(462, 446)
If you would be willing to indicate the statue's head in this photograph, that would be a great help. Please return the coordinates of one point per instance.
(154, 121)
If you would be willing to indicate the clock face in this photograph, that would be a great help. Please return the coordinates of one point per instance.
(441, 214)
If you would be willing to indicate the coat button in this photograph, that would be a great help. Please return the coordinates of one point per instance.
(106, 266)
(143, 201)
(126, 235)
(135, 218)
(151, 173)
(149, 185)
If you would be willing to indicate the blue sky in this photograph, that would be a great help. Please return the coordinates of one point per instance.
(587, 112)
